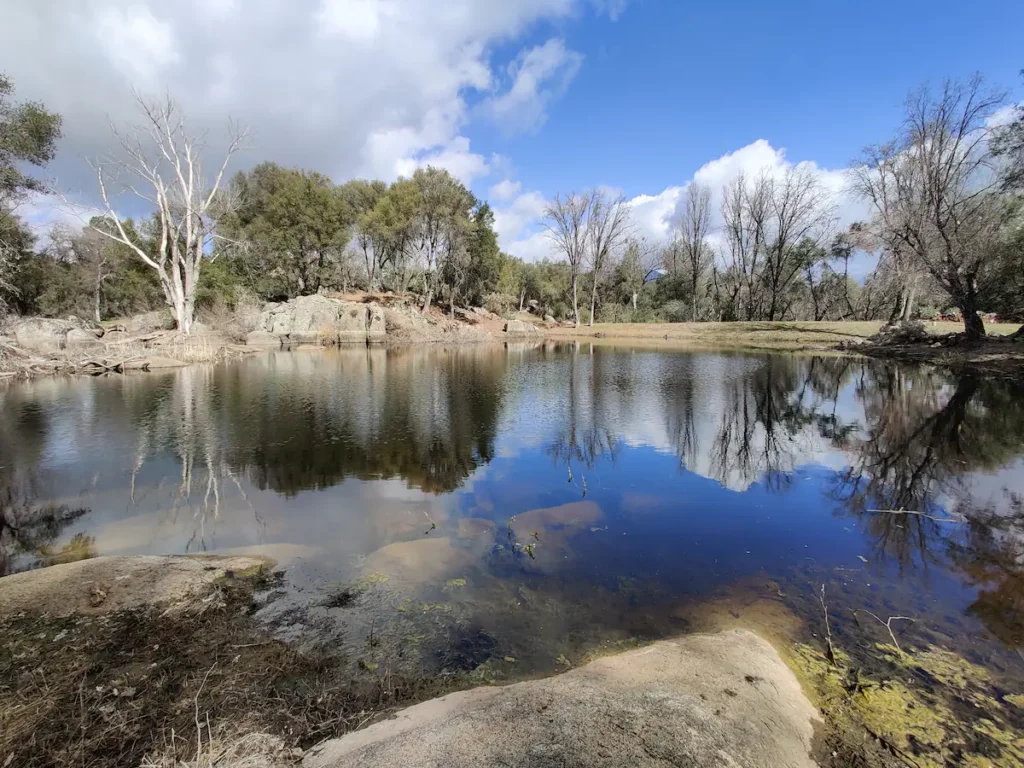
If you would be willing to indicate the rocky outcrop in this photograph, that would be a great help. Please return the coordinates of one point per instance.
(724, 699)
(318, 319)
(41, 334)
(157, 320)
(520, 328)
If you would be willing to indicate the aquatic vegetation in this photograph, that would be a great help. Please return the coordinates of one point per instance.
(376, 578)
(916, 716)
(454, 583)
(510, 659)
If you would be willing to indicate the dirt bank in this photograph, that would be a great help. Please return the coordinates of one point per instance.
(939, 344)
(158, 661)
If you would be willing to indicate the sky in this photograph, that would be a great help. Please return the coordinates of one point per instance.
(521, 99)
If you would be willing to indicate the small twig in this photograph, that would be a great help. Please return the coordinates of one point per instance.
(887, 624)
(828, 630)
(912, 512)
(199, 727)
(892, 747)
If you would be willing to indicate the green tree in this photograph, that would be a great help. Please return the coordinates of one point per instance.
(485, 257)
(442, 230)
(28, 134)
(294, 228)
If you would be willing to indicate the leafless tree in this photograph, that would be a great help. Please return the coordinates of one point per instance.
(566, 221)
(608, 226)
(162, 164)
(883, 179)
(745, 210)
(694, 227)
(800, 216)
(933, 191)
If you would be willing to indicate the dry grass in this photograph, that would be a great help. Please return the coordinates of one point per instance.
(145, 687)
(783, 335)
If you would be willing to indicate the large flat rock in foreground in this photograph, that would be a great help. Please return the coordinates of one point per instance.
(703, 700)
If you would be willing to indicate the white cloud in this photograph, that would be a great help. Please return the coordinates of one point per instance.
(455, 157)
(357, 20)
(349, 87)
(138, 42)
(538, 76)
(505, 190)
(654, 215)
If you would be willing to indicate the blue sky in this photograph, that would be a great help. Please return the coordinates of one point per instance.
(669, 86)
(521, 99)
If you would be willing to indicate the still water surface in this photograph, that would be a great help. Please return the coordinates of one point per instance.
(438, 509)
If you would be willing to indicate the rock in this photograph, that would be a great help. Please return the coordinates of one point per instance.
(127, 582)
(549, 319)
(422, 561)
(158, 320)
(83, 337)
(262, 339)
(904, 332)
(312, 319)
(703, 700)
(42, 334)
(376, 325)
(520, 328)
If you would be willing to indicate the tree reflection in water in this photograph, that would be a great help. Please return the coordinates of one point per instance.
(883, 437)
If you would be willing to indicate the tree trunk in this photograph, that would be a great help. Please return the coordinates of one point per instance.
(575, 304)
(522, 298)
(974, 326)
(593, 302)
(429, 296)
(908, 304)
(634, 300)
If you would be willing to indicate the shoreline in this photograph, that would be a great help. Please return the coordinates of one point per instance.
(166, 349)
(106, 657)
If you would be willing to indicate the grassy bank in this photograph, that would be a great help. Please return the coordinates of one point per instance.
(781, 335)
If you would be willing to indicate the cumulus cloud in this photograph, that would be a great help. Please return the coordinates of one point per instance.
(655, 215)
(505, 190)
(537, 77)
(349, 87)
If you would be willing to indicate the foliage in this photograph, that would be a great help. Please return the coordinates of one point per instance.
(28, 134)
(293, 228)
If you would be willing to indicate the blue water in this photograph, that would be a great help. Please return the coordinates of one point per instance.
(538, 501)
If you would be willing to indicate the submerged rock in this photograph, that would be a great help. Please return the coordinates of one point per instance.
(724, 699)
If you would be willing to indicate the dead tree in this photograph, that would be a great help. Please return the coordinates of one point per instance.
(161, 163)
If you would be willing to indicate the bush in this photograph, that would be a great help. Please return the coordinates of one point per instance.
(675, 311)
(499, 303)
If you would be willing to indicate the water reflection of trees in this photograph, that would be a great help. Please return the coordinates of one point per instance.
(28, 532)
(923, 434)
(583, 427)
(292, 422)
(989, 553)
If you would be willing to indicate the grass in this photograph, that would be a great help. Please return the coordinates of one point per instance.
(783, 335)
(147, 687)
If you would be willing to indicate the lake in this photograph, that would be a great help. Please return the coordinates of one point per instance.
(511, 510)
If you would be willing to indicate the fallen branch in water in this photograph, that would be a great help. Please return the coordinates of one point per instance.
(887, 624)
(919, 514)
